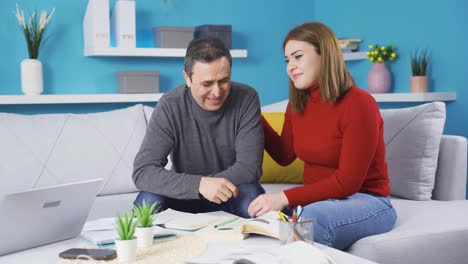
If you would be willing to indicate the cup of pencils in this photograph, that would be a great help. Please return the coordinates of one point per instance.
(296, 229)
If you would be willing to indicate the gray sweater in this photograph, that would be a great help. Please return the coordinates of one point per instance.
(226, 143)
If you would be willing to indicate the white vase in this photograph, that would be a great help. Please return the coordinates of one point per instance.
(126, 250)
(31, 77)
(144, 236)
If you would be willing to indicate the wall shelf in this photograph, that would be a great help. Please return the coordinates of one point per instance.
(150, 52)
(415, 97)
(384, 98)
(154, 97)
(348, 56)
(78, 98)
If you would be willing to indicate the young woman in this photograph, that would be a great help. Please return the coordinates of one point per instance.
(337, 130)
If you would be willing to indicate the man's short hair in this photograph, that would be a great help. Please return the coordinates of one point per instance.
(205, 50)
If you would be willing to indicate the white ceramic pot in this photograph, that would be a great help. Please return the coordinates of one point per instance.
(31, 77)
(144, 236)
(126, 250)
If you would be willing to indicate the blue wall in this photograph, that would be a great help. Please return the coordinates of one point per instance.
(67, 71)
(258, 26)
(439, 26)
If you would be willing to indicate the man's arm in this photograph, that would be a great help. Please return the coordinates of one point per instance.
(248, 145)
(148, 169)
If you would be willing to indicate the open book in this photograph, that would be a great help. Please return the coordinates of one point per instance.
(102, 232)
(267, 225)
(174, 219)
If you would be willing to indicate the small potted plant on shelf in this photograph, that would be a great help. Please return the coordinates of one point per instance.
(126, 244)
(145, 214)
(419, 63)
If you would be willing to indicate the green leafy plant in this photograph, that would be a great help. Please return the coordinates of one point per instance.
(145, 213)
(419, 62)
(33, 29)
(379, 53)
(126, 226)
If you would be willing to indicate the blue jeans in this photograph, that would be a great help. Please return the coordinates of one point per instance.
(340, 223)
(238, 205)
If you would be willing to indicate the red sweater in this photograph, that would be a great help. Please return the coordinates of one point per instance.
(341, 144)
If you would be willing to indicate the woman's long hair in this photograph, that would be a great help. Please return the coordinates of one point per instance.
(334, 78)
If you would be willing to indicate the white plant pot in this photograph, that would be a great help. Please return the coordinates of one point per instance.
(126, 250)
(31, 77)
(144, 236)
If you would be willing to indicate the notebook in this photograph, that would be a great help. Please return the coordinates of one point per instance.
(240, 228)
(102, 232)
(174, 219)
(45, 215)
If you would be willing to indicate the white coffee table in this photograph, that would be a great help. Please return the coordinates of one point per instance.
(49, 253)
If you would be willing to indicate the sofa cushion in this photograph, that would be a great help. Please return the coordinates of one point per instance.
(425, 232)
(412, 138)
(49, 149)
(272, 171)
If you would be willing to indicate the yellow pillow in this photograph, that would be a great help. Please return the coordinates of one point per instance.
(274, 173)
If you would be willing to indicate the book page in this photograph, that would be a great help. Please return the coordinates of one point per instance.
(267, 225)
(174, 219)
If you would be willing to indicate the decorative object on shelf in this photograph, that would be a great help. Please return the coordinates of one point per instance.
(96, 25)
(33, 30)
(349, 44)
(379, 79)
(419, 80)
(123, 24)
(138, 81)
(223, 32)
(145, 214)
(127, 244)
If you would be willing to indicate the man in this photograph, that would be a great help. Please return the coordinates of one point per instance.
(213, 131)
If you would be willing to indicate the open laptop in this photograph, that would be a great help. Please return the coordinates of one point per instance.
(45, 215)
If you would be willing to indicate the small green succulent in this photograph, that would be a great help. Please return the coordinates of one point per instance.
(126, 226)
(145, 213)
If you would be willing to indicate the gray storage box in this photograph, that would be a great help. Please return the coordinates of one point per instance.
(138, 81)
(223, 32)
(172, 37)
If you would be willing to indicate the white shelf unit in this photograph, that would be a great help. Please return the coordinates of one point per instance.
(414, 97)
(154, 97)
(150, 52)
(384, 98)
(349, 56)
(78, 98)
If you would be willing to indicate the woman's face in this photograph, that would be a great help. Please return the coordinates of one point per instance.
(302, 63)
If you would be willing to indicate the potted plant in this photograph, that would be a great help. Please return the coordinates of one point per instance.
(379, 79)
(126, 244)
(145, 214)
(418, 81)
(33, 30)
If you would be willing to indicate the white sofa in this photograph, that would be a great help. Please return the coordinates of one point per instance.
(48, 149)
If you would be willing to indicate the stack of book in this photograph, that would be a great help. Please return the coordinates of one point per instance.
(349, 44)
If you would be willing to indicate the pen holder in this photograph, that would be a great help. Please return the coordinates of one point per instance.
(303, 230)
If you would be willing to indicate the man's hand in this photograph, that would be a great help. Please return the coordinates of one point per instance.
(217, 190)
(267, 202)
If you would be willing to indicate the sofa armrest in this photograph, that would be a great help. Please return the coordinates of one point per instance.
(450, 182)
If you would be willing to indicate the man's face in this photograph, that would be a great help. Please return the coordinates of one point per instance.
(210, 83)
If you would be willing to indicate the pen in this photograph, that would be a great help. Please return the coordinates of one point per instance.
(281, 215)
(299, 212)
(227, 222)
